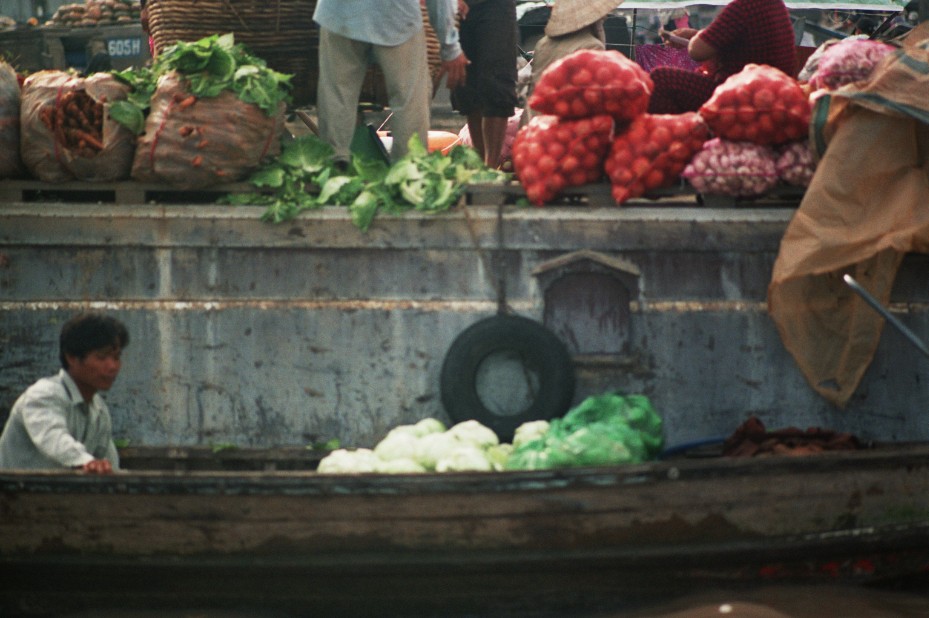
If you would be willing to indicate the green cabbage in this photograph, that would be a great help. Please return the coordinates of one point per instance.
(603, 430)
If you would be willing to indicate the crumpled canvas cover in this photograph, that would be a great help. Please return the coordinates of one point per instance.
(867, 205)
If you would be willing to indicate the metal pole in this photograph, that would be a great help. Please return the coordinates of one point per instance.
(887, 315)
(635, 33)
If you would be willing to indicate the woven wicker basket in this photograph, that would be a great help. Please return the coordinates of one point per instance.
(282, 32)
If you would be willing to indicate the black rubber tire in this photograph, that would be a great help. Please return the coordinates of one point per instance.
(538, 349)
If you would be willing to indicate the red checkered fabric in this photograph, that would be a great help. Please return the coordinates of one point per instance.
(744, 32)
(679, 90)
(753, 31)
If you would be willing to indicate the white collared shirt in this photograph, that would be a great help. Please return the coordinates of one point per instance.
(51, 426)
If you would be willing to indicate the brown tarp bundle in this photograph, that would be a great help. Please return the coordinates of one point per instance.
(867, 205)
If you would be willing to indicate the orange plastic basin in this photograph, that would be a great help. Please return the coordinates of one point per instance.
(438, 140)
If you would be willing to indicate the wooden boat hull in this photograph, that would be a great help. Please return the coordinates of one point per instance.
(592, 537)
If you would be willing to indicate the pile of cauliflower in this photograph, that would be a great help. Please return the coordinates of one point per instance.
(428, 446)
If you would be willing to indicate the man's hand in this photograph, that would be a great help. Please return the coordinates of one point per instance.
(97, 466)
(454, 71)
(463, 9)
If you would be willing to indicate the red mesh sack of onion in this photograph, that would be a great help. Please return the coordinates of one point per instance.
(652, 152)
(759, 104)
(551, 153)
(847, 62)
(737, 169)
(591, 82)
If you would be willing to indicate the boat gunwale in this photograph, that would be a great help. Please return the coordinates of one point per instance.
(907, 456)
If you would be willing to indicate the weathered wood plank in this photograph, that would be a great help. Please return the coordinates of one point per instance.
(125, 192)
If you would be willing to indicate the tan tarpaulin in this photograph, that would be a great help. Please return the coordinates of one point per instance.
(867, 206)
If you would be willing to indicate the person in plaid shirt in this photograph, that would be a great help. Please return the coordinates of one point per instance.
(744, 32)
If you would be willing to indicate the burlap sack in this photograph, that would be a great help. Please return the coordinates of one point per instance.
(45, 157)
(11, 166)
(864, 209)
(194, 145)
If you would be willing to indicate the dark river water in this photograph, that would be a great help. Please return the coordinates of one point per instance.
(765, 602)
(795, 602)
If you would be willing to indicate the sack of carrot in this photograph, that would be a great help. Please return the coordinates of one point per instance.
(66, 132)
(194, 142)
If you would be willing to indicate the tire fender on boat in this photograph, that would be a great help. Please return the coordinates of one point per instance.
(506, 370)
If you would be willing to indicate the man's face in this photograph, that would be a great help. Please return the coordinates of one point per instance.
(97, 371)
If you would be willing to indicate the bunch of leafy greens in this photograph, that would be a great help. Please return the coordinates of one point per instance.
(304, 177)
(210, 66)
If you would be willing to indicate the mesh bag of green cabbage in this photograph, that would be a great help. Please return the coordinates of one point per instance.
(602, 430)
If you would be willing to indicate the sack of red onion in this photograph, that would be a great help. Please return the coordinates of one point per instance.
(848, 61)
(759, 104)
(591, 82)
(652, 152)
(737, 169)
(551, 153)
(795, 163)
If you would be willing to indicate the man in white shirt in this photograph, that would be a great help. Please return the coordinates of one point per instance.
(62, 421)
(353, 33)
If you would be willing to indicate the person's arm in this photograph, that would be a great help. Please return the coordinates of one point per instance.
(45, 421)
(97, 466)
(111, 454)
(727, 29)
(454, 62)
(700, 50)
(679, 38)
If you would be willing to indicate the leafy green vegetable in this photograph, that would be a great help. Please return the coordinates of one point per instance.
(364, 208)
(328, 445)
(340, 190)
(424, 181)
(211, 66)
(606, 429)
(129, 115)
(309, 154)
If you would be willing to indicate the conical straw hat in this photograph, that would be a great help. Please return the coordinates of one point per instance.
(571, 15)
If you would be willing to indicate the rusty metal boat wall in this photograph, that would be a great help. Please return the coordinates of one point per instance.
(266, 335)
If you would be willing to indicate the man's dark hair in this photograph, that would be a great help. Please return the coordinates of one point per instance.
(87, 332)
(866, 25)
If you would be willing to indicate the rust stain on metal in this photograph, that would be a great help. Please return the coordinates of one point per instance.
(430, 306)
(697, 306)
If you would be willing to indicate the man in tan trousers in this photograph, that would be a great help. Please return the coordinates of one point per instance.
(354, 33)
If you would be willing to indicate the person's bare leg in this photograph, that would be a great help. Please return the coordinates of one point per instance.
(476, 129)
(494, 136)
